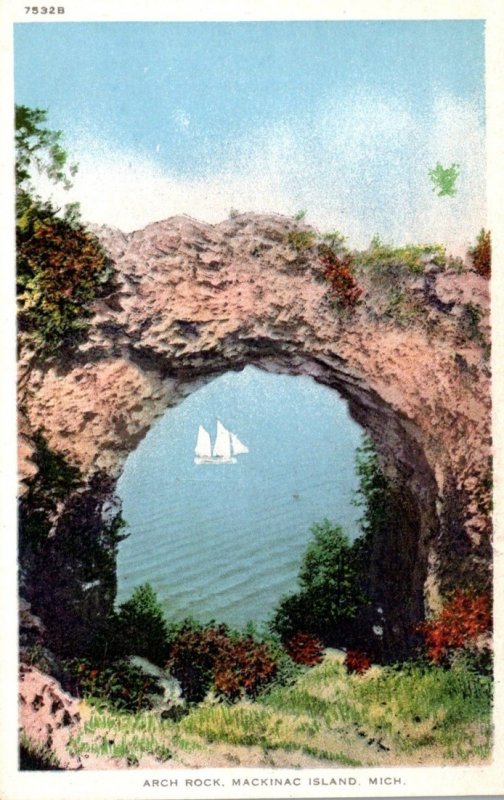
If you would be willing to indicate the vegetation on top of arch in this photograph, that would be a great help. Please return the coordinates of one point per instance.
(61, 267)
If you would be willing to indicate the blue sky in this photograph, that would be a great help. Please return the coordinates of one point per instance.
(344, 119)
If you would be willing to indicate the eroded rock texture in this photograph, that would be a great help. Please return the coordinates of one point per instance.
(47, 715)
(195, 300)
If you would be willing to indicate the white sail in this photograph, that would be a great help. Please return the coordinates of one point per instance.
(237, 447)
(222, 446)
(203, 447)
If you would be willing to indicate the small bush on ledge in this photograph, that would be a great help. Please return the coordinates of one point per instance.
(462, 628)
(338, 271)
(305, 649)
(357, 662)
(211, 657)
(301, 240)
(481, 254)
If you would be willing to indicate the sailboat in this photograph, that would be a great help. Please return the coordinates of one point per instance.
(227, 445)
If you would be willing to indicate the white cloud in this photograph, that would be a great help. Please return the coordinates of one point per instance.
(361, 167)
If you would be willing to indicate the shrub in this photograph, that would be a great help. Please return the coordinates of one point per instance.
(305, 649)
(463, 625)
(204, 657)
(301, 240)
(121, 684)
(481, 254)
(61, 268)
(300, 215)
(338, 271)
(357, 662)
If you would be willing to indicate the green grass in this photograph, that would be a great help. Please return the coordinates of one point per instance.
(301, 240)
(386, 259)
(387, 716)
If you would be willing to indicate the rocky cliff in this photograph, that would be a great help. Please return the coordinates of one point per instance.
(195, 300)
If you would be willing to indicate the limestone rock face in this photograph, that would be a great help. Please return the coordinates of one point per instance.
(194, 300)
(47, 715)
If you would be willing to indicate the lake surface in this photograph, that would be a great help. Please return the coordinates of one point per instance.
(225, 541)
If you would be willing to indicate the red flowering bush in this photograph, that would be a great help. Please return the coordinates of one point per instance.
(481, 254)
(338, 271)
(205, 657)
(306, 649)
(357, 662)
(243, 667)
(463, 624)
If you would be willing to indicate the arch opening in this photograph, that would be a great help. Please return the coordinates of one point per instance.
(224, 541)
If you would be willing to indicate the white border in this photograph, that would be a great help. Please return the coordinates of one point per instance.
(126, 784)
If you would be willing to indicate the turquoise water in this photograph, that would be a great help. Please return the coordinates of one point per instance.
(225, 541)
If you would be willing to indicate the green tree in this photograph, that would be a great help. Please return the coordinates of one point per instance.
(143, 630)
(38, 149)
(61, 267)
(330, 593)
(373, 494)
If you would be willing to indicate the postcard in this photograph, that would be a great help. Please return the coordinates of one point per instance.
(251, 351)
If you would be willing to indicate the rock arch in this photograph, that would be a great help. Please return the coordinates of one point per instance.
(195, 300)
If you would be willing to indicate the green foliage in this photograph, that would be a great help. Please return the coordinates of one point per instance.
(38, 149)
(334, 587)
(335, 240)
(54, 480)
(301, 240)
(61, 267)
(456, 264)
(444, 179)
(331, 592)
(402, 307)
(141, 628)
(387, 261)
(300, 215)
(68, 536)
(121, 684)
(374, 492)
(470, 321)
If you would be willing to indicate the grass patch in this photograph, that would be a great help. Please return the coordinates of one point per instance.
(387, 260)
(414, 706)
(386, 716)
(301, 240)
(264, 727)
(115, 734)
